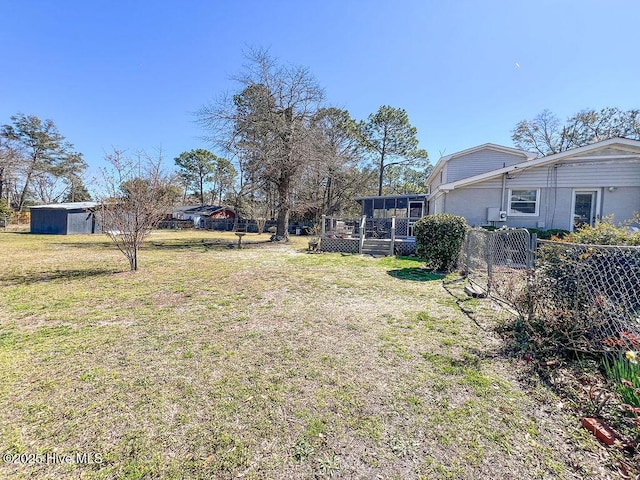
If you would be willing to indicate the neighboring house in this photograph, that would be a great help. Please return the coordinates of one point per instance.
(65, 218)
(199, 213)
(495, 185)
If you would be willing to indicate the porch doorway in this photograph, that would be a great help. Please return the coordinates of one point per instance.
(586, 208)
(416, 212)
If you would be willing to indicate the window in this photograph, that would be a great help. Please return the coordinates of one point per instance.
(523, 202)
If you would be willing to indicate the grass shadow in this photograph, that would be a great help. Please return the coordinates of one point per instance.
(179, 245)
(415, 274)
(208, 244)
(40, 277)
(92, 245)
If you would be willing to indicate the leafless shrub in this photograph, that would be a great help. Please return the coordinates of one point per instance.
(136, 195)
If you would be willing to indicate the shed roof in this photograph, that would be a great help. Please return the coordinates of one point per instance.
(67, 206)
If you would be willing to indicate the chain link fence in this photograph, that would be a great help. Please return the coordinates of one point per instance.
(497, 262)
(574, 296)
(589, 295)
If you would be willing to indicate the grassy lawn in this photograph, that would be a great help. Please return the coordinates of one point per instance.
(265, 362)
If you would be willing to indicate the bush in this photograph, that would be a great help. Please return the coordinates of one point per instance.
(5, 210)
(5, 213)
(584, 294)
(604, 233)
(439, 238)
(549, 234)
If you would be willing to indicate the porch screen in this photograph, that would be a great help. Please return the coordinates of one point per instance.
(367, 208)
(379, 208)
(401, 207)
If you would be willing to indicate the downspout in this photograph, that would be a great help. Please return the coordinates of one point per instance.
(504, 188)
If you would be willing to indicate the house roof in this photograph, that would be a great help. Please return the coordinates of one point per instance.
(67, 206)
(485, 146)
(405, 195)
(574, 154)
(205, 209)
(184, 208)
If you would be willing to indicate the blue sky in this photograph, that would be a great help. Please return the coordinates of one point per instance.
(130, 74)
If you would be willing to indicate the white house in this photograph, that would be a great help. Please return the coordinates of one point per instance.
(495, 185)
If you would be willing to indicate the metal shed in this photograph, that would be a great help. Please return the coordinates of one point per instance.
(65, 218)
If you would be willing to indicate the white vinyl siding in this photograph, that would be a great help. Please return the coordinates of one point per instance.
(524, 202)
(479, 162)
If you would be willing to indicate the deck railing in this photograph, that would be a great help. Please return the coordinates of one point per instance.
(349, 235)
(381, 228)
(340, 227)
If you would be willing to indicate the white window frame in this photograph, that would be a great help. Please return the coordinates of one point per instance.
(520, 214)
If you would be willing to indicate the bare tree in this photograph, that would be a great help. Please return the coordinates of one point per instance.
(256, 209)
(546, 135)
(336, 171)
(267, 124)
(136, 195)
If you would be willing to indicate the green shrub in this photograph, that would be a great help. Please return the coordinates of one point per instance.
(580, 288)
(5, 213)
(5, 210)
(439, 238)
(548, 234)
(604, 233)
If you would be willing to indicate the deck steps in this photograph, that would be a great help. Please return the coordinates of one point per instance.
(377, 247)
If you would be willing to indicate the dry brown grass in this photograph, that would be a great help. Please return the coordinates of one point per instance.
(265, 362)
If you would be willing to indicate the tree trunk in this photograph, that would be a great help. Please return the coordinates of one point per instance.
(282, 230)
(2, 182)
(382, 158)
(23, 195)
(381, 177)
(133, 261)
(284, 208)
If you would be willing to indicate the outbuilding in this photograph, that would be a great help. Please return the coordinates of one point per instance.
(65, 218)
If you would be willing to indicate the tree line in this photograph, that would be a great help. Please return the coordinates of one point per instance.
(294, 154)
(283, 152)
(38, 164)
(282, 149)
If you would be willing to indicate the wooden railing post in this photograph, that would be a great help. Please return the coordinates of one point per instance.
(393, 236)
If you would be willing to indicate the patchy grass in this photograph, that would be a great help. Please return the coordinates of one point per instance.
(265, 362)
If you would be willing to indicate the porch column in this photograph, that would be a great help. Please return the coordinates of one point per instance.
(322, 228)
